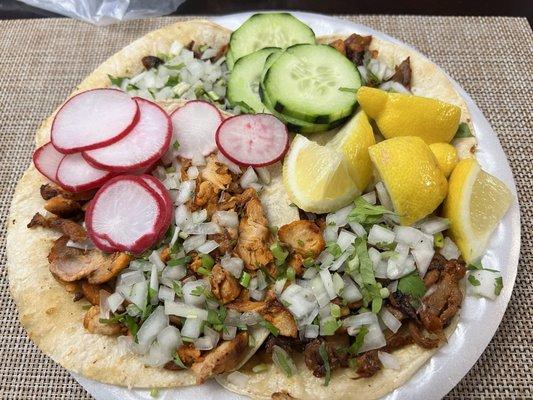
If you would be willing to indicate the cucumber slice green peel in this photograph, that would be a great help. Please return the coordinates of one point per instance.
(304, 83)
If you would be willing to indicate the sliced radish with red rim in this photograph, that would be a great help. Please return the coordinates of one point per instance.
(141, 147)
(93, 119)
(127, 213)
(194, 127)
(162, 191)
(253, 140)
(77, 175)
(47, 159)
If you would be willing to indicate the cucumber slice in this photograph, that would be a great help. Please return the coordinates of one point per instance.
(244, 81)
(230, 60)
(298, 126)
(304, 83)
(268, 63)
(269, 30)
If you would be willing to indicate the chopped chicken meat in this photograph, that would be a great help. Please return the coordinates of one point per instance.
(223, 358)
(224, 285)
(108, 270)
(304, 239)
(254, 235)
(50, 190)
(189, 354)
(71, 264)
(92, 323)
(216, 173)
(91, 292)
(63, 207)
(272, 311)
(72, 229)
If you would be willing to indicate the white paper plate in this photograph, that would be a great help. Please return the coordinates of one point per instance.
(479, 317)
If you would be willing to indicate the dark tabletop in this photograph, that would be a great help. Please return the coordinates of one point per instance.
(11, 9)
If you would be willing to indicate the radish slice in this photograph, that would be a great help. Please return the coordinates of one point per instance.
(77, 175)
(194, 126)
(93, 119)
(162, 191)
(127, 213)
(253, 140)
(141, 147)
(47, 159)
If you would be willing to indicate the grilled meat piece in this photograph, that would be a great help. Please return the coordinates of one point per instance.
(70, 264)
(356, 45)
(151, 62)
(272, 311)
(224, 285)
(420, 339)
(91, 292)
(73, 230)
(63, 207)
(189, 354)
(254, 236)
(314, 360)
(305, 239)
(402, 73)
(49, 190)
(288, 344)
(92, 323)
(402, 303)
(223, 358)
(444, 298)
(368, 364)
(339, 46)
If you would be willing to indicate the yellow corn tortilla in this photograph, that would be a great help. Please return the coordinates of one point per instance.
(54, 322)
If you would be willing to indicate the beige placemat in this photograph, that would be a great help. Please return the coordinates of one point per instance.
(492, 58)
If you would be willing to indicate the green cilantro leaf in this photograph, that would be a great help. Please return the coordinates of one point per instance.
(359, 340)
(412, 285)
(325, 361)
(366, 213)
(498, 285)
(473, 281)
(463, 131)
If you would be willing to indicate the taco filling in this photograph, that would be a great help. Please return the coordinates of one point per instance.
(218, 243)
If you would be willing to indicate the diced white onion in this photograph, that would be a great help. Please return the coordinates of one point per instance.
(319, 291)
(388, 360)
(330, 233)
(250, 318)
(390, 320)
(232, 264)
(248, 178)
(309, 273)
(229, 333)
(339, 218)
(394, 86)
(301, 302)
(350, 293)
(193, 242)
(370, 197)
(190, 287)
(231, 165)
(184, 310)
(191, 328)
(228, 219)
(199, 216)
(148, 331)
(339, 261)
(357, 228)
(238, 379)
(381, 235)
(374, 339)
(186, 191)
(449, 250)
(174, 273)
(434, 225)
(338, 283)
(182, 215)
(357, 321)
(104, 305)
(487, 283)
(165, 293)
(130, 278)
(257, 294)
(205, 228)
(114, 301)
(208, 247)
(279, 285)
(383, 196)
(345, 239)
(138, 294)
(311, 331)
(198, 160)
(423, 257)
(263, 174)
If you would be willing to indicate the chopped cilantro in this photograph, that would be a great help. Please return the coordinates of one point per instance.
(325, 361)
(207, 261)
(473, 281)
(176, 145)
(308, 262)
(273, 329)
(179, 261)
(334, 249)
(498, 285)
(335, 310)
(177, 286)
(412, 285)
(359, 340)
(152, 294)
(245, 108)
(173, 81)
(438, 240)
(366, 268)
(260, 368)
(154, 392)
(279, 253)
(117, 81)
(290, 273)
(175, 67)
(178, 362)
(366, 213)
(329, 327)
(463, 131)
(245, 279)
(86, 307)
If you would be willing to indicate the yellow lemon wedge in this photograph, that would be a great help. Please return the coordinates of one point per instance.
(317, 178)
(446, 156)
(476, 203)
(353, 140)
(411, 175)
(398, 114)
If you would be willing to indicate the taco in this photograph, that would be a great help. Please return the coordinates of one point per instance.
(160, 239)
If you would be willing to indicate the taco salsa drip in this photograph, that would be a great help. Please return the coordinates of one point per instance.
(214, 244)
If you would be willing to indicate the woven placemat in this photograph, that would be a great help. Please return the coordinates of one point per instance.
(42, 60)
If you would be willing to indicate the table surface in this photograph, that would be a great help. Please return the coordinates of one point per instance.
(490, 57)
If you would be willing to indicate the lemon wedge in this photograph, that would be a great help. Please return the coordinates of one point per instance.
(411, 175)
(476, 203)
(317, 178)
(353, 140)
(398, 114)
(446, 156)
